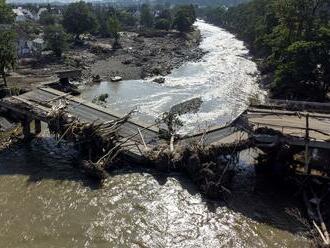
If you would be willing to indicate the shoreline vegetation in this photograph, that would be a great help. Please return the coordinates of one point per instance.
(288, 39)
(290, 42)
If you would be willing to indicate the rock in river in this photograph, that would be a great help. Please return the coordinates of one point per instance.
(116, 79)
(159, 80)
(190, 106)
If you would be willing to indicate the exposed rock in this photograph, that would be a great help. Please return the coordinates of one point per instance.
(159, 80)
(116, 79)
(127, 62)
(101, 98)
(97, 79)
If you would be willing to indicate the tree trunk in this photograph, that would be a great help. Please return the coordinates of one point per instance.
(172, 143)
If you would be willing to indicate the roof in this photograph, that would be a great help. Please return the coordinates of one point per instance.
(23, 12)
(38, 40)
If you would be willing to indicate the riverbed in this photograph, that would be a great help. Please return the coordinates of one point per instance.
(45, 201)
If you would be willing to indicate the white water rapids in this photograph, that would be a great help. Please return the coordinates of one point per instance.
(224, 79)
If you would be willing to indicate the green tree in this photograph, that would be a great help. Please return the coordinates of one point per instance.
(126, 18)
(6, 14)
(165, 14)
(292, 36)
(47, 18)
(114, 29)
(163, 24)
(56, 39)
(103, 15)
(78, 18)
(184, 18)
(7, 41)
(147, 18)
(7, 53)
(164, 20)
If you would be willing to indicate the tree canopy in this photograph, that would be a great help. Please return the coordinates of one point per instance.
(147, 18)
(7, 52)
(56, 39)
(114, 29)
(7, 41)
(185, 17)
(78, 18)
(6, 14)
(48, 18)
(292, 37)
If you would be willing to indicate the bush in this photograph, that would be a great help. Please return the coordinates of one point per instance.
(163, 24)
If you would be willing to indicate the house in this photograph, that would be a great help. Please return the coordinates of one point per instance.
(40, 11)
(38, 45)
(22, 15)
(24, 47)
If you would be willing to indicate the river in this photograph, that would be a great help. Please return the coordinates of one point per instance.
(225, 79)
(46, 202)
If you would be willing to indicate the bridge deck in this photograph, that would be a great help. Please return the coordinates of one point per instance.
(292, 124)
(89, 112)
(85, 111)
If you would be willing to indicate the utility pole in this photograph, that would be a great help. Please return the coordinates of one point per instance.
(307, 145)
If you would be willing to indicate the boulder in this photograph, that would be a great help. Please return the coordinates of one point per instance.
(116, 79)
(159, 80)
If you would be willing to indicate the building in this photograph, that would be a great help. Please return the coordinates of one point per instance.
(24, 47)
(22, 15)
(40, 11)
(38, 45)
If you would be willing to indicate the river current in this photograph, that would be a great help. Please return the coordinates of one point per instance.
(45, 201)
(225, 79)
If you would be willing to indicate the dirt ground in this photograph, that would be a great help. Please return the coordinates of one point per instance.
(142, 55)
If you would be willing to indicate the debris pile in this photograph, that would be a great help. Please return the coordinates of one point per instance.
(210, 167)
(99, 143)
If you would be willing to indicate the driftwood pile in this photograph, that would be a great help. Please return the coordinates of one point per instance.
(210, 167)
(98, 143)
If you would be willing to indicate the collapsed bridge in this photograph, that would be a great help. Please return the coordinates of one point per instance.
(299, 124)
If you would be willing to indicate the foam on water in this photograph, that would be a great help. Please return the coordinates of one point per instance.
(225, 79)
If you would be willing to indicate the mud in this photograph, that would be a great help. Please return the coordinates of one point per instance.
(142, 55)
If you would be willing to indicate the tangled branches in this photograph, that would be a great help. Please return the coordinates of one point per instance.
(98, 143)
(210, 167)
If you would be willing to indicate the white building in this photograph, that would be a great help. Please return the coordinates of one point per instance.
(38, 45)
(40, 11)
(22, 15)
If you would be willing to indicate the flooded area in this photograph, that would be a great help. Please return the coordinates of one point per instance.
(45, 201)
(225, 79)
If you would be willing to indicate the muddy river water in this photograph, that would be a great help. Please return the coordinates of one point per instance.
(46, 202)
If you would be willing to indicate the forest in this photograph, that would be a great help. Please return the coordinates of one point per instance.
(290, 38)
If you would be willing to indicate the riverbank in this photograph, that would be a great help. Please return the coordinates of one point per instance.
(143, 54)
